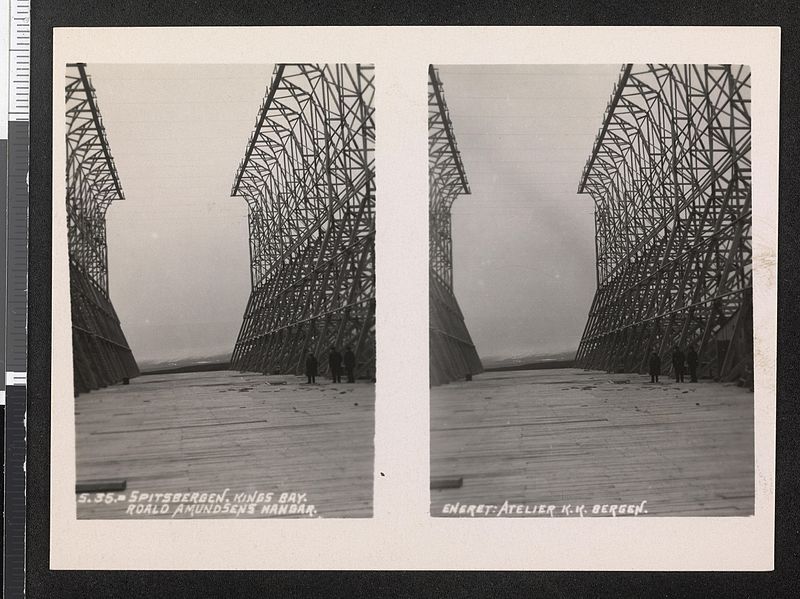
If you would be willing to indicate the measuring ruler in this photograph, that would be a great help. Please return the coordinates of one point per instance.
(14, 144)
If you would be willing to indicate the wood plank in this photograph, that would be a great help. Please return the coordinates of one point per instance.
(97, 486)
(205, 432)
(447, 483)
(570, 436)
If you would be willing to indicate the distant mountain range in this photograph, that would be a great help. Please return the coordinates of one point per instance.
(222, 362)
(216, 362)
(556, 360)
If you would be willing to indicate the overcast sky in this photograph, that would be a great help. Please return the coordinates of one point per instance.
(179, 266)
(523, 241)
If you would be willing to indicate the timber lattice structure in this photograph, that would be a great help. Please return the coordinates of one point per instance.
(452, 352)
(670, 176)
(308, 177)
(101, 355)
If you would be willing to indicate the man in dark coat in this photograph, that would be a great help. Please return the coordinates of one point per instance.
(678, 360)
(335, 364)
(350, 364)
(691, 361)
(311, 368)
(655, 366)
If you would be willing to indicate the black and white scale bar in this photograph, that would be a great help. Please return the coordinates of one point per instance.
(14, 247)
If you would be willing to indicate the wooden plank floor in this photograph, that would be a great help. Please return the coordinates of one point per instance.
(209, 431)
(573, 437)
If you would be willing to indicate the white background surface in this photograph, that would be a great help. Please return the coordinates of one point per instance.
(5, 16)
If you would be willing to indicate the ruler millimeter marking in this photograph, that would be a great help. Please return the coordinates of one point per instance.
(15, 277)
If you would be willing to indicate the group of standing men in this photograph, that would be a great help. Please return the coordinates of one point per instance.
(336, 363)
(679, 363)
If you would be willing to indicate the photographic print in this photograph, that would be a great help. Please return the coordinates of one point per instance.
(222, 283)
(591, 290)
(564, 308)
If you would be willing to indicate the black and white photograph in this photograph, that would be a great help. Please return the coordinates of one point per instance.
(221, 236)
(562, 314)
(591, 290)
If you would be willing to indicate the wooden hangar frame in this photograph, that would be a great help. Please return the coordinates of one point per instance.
(670, 176)
(101, 355)
(452, 353)
(308, 177)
